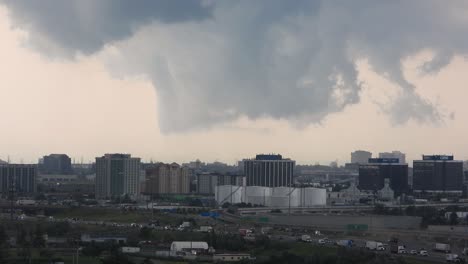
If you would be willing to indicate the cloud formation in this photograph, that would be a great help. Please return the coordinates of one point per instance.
(214, 61)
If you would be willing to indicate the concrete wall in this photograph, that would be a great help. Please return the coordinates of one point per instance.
(341, 221)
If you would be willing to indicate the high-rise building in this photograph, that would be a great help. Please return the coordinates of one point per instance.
(207, 182)
(394, 155)
(438, 173)
(372, 176)
(56, 164)
(269, 171)
(117, 175)
(167, 179)
(22, 178)
(360, 156)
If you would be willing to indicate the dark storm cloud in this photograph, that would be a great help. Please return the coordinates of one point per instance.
(214, 61)
(87, 25)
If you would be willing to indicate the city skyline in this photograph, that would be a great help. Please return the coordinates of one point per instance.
(86, 95)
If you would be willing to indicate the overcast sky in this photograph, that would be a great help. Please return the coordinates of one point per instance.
(223, 80)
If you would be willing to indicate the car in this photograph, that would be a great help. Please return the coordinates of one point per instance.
(423, 253)
(321, 241)
(413, 252)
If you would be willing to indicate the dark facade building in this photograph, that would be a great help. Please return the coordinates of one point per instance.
(438, 173)
(56, 164)
(269, 171)
(372, 175)
(19, 177)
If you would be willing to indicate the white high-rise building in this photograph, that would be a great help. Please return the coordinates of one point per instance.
(393, 155)
(117, 175)
(360, 156)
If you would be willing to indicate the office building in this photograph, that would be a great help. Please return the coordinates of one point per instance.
(372, 176)
(18, 177)
(360, 156)
(438, 173)
(269, 171)
(56, 164)
(167, 179)
(206, 182)
(117, 175)
(394, 155)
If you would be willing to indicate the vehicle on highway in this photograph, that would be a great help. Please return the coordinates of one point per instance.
(413, 252)
(306, 238)
(402, 250)
(322, 241)
(374, 245)
(442, 247)
(345, 243)
(453, 258)
(423, 253)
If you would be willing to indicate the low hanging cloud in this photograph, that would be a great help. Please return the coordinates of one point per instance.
(215, 61)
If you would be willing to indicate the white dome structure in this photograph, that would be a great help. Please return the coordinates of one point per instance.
(259, 195)
(228, 194)
(313, 197)
(285, 197)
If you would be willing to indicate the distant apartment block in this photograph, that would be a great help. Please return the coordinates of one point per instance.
(167, 179)
(56, 164)
(360, 156)
(269, 171)
(117, 175)
(22, 178)
(438, 173)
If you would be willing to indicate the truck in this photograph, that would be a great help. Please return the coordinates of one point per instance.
(306, 238)
(244, 231)
(442, 247)
(26, 202)
(206, 229)
(452, 258)
(374, 245)
(130, 249)
(345, 243)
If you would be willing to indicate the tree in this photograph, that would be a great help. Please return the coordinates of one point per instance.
(3, 236)
(453, 218)
(38, 238)
(145, 233)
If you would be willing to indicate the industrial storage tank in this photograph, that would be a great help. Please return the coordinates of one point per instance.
(313, 197)
(285, 197)
(259, 195)
(228, 194)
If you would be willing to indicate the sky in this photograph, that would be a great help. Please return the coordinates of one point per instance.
(224, 80)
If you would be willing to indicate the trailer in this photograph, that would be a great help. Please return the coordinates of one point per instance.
(442, 247)
(374, 245)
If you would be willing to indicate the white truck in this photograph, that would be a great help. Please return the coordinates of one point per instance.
(374, 245)
(206, 229)
(26, 202)
(130, 250)
(306, 238)
(452, 258)
(442, 247)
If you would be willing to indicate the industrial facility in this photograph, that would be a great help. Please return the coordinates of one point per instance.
(271, 197)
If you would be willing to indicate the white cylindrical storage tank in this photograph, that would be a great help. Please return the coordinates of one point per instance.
(258, 195)
(285, 197)
(313, 196)
(228, 194)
